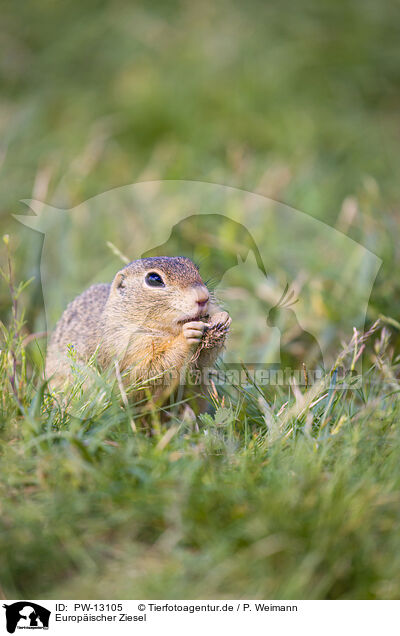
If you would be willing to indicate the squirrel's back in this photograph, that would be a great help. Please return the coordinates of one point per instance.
(79, 326)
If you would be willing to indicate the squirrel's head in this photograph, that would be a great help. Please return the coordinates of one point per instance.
(159, 293)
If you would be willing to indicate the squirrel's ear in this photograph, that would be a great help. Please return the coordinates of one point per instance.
(119, 282)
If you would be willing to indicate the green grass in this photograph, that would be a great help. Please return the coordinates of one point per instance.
(293, 498)
(258, 500)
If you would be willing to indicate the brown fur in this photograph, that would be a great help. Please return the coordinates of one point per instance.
(142, 327)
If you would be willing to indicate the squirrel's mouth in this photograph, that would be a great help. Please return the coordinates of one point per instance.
(199, 316)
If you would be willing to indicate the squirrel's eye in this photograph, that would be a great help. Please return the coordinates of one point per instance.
(154, 280)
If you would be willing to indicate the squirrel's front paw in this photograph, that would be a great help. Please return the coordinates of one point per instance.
(193, 331)
(221, 319)
(216, 330)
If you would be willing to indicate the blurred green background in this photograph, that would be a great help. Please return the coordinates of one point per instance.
(297, 102)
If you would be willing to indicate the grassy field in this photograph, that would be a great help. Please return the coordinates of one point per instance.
(279, 493)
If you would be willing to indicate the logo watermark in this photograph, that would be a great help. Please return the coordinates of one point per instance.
(26, 615)
(278, 274)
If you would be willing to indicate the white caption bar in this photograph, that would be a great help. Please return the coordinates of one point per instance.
(194, 617)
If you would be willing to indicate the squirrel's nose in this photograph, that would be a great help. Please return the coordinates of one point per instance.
(202, 296)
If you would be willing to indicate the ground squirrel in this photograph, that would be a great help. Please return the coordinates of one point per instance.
(157, 315)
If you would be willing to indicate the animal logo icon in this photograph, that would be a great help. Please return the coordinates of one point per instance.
(26, 615)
